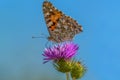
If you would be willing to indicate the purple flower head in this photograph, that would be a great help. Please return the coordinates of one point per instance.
(61, 51)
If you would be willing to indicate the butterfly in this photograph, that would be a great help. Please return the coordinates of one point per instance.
(60, 26)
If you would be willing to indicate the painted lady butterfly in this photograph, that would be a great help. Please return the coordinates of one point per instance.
(61, 27)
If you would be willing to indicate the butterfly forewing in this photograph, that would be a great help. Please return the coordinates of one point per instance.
(61, 27)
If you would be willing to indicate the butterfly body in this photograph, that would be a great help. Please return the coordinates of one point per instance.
(61, 27)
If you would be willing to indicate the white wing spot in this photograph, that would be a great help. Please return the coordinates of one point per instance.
(49, 24)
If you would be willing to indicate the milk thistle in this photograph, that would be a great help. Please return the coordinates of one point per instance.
(62, 57)
(59, 52)
(78, 70)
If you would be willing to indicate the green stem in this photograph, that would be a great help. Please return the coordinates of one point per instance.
(73, 78)
(67, 76)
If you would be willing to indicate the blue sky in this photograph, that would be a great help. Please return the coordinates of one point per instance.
(20, 55)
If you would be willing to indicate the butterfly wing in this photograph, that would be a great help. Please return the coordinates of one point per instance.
(72, 24)
(51, 15)
(61, 27)
(69, 27)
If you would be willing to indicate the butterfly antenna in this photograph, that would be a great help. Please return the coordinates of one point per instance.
(37, 37)
(42, 36)
(46, 44)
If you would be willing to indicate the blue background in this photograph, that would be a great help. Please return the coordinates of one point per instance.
(20, 55)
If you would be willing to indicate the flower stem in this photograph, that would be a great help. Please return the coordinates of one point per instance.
(67, 76)
(73, 78)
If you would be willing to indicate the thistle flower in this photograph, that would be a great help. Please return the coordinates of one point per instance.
(78, 70)
(63, 66)
(63, 51)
